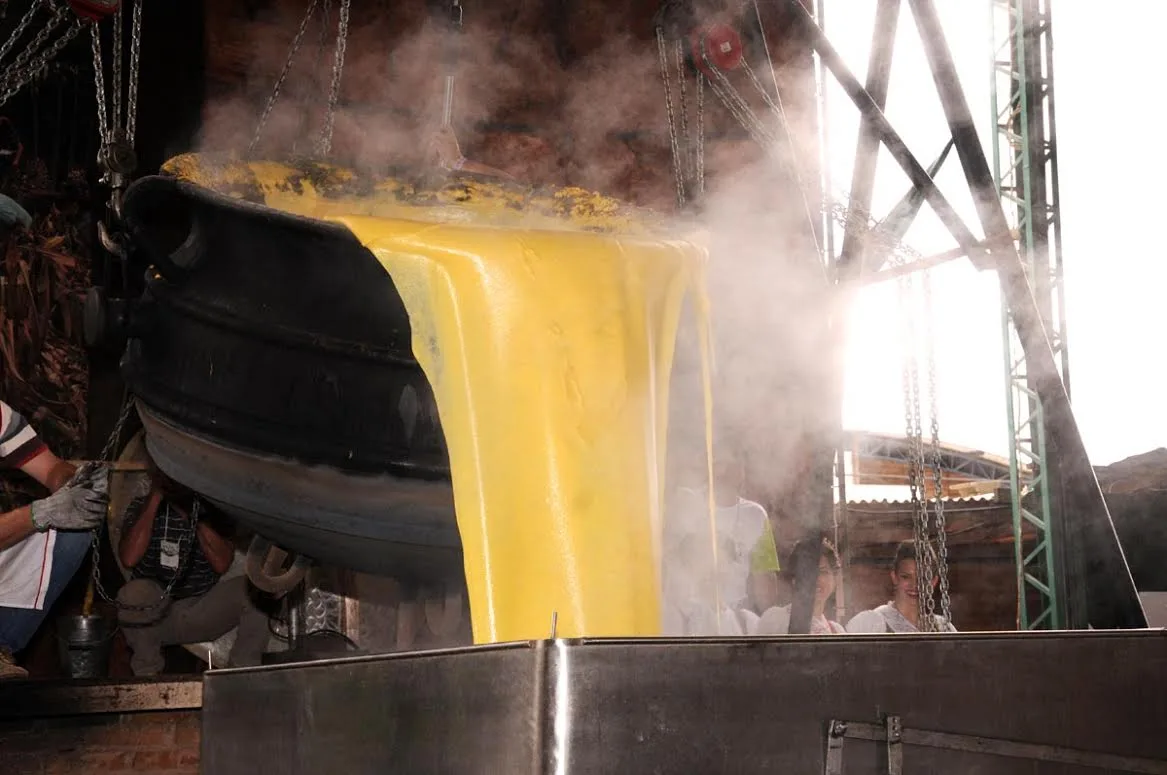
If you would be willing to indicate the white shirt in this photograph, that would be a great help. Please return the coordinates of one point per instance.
(776, 621)
(887, 618)
(691, 583)
(25, 568)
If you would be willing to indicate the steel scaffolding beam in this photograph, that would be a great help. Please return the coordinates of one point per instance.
(1025, 170)
(1093, 584)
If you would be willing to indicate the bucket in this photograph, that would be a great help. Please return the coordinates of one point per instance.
(83, 643)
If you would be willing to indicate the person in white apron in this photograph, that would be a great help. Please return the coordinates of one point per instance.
(902, 613)
(43, 544)
(776, 620)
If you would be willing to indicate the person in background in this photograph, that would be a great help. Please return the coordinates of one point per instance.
(694, 582)
(776, 620)
(43, 544)
(177, 594)
(902, 613)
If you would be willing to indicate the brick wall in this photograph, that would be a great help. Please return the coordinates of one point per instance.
(983, 590)
(148, 743)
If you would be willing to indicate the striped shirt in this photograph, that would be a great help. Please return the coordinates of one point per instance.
(18, 441)
(25, 567)
(173, 548)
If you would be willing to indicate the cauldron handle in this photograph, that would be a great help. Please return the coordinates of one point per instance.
(166, 223)
(263, 563)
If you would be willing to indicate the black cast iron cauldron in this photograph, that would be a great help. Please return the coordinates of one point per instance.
(270, 356)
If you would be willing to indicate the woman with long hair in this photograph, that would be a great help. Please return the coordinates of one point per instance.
(902, 613)
(776, 621)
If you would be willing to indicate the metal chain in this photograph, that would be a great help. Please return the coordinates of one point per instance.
(185, 550)
(913, 431)
(21, 66)
(325, 145)
(21, 26)
(938, 505)
(325, 15)
(775, 104)
(103, 127)
(117, 84)
(135, 58)
(700, 138)
(38, 40)
(317, 85)
(684, 142)
(739, 109)
(674, 143)
(39, 63)
(123, 113)
(107, 453)
(860, 223)
(852, 219)
(275, 95)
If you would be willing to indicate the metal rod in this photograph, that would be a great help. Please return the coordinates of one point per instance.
(805, 565)
(452, 54)
(893, 731)
(448, 102)
(838, 506)
(836, 737)
(295, 605)
(992, 746)
(115, 468)
(1055, 213)
(921, 265)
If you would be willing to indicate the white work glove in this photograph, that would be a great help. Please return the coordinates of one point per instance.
(80, 505)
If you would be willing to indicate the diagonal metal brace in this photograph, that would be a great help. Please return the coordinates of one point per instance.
(1100, 590)
(853, 258)
(891, 140)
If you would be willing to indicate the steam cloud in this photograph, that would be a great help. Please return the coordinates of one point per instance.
(598, 122)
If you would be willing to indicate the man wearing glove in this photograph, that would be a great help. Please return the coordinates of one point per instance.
(42, 544)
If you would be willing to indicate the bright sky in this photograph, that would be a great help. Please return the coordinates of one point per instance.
(1108, 136)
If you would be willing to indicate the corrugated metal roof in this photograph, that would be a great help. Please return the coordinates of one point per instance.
(957, 503)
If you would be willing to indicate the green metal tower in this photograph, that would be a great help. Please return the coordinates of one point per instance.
(1025, 168)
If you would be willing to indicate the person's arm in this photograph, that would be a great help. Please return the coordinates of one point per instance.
(15, 526)
(137, 528)
(21, 448)
(53, 473)
(217, 549)
(49, 470)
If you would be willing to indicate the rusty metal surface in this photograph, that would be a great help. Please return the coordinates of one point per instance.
(38, 699)
(685, 706)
